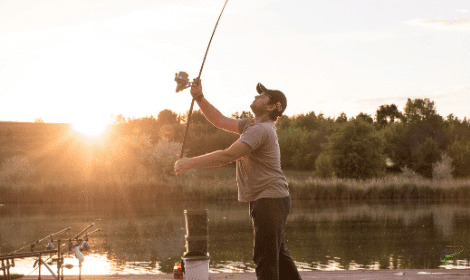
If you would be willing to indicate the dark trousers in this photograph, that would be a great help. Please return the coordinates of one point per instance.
(271, 257)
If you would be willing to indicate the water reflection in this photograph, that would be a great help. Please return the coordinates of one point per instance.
(145, 238)
(94, 264)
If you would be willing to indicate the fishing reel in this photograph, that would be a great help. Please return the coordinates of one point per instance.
(80, 245)
(78, 248)
(182, 81)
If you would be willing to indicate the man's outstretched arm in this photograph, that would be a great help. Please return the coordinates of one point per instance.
(211, 113)
(214, 159)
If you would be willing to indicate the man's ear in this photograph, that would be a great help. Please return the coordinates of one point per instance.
(271, 107)
(277, 106)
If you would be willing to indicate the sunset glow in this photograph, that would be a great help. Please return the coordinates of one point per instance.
(90, 127)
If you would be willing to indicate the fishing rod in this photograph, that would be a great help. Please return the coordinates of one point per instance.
(31, 245)
(77, 248)
(85, 246)
(90, 233)
(81, 232)
(183, 82)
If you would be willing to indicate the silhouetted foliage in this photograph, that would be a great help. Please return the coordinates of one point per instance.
(365, 117)
(386, 114)
(422, 110)
(342, 118)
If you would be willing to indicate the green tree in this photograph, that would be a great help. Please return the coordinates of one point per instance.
(419, 122)
(295, 144)
(365, 117)
(386, 114)
(425, 156)
(392, 136)
(459, 151)
(301, 139)
(306, 121)
(168, 117)
(200, 142)
(300, 148)
(422, 110)
(355, 151)
(205, 138)
(342, 118)
(323, 167)
(283, 122)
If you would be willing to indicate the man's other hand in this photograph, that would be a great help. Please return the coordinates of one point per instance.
(181, 166)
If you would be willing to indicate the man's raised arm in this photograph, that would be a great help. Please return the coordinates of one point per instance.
(211, 113)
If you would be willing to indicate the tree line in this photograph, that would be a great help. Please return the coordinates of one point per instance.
(416, 139)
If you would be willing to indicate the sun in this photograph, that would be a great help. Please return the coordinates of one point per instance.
(90, 127)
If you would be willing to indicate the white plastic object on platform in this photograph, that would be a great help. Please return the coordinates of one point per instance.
(196, 268)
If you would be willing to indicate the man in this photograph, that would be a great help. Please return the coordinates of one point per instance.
(260, 179)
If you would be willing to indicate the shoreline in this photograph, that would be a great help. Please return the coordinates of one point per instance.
(402, 274)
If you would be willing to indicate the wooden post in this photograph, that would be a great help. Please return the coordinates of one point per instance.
(39, 263)
(3, 268)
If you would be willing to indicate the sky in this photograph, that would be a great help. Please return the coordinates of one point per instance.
(89, 60)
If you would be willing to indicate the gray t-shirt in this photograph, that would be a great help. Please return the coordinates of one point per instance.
(259, 174)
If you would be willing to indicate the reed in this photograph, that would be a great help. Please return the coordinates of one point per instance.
(392, 188)
(220, 184)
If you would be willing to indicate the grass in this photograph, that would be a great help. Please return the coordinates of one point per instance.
(220, 184)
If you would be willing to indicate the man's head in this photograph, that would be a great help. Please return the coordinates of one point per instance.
(277, 101)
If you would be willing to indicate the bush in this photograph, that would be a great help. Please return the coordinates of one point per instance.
(409, 174)
(323, 167)
(442, 170)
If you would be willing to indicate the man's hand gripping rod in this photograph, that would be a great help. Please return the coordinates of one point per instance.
(182, 81)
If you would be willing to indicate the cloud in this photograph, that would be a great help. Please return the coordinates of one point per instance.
(360, 36)
(456, 24)
(462, 11)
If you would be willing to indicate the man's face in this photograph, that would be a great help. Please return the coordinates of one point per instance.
(260, 103)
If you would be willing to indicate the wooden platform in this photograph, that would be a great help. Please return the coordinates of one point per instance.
(403, 274)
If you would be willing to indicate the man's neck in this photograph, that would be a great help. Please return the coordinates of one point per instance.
(263, 118)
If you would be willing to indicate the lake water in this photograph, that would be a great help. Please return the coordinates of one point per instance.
(142, 237)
